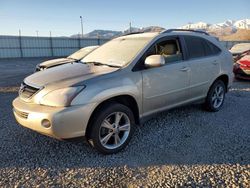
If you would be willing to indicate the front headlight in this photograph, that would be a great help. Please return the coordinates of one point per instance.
(61, 97)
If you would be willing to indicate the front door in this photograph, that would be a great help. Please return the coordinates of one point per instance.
(166, 86)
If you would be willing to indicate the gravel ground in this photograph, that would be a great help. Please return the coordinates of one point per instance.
(182, 147)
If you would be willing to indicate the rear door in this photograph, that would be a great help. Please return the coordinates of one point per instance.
(204, 64)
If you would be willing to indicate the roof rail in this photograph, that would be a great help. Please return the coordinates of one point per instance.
(190, 30)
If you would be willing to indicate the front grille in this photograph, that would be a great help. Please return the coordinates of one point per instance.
(21, 114)
(27, 91)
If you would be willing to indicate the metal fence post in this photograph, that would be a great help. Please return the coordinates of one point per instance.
(51, 44)
(98, 41)
(20, 44)
(79, 42)
(51, 47)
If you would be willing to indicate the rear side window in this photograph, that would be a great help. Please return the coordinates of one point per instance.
(208, 49)
(199, 47)
(195, 46)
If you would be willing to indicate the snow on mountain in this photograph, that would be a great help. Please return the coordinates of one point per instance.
(199, 25)
(242, 24)
(219, 29)
(228, 23)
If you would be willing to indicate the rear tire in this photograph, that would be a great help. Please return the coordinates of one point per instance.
(215, 97)
(111, 128)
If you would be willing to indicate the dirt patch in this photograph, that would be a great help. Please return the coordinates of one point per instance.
(9, 89)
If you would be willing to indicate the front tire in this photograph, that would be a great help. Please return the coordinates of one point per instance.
(215, 97)
(111, 128)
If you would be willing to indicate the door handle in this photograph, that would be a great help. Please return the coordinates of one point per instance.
(185, 69)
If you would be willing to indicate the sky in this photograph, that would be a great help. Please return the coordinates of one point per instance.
(62, 17)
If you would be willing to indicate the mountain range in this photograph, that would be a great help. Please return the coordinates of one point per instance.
(221, 30)
(240, 24)
(111, 34)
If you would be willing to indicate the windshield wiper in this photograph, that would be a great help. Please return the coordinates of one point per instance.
(72, 58)
(102, 64)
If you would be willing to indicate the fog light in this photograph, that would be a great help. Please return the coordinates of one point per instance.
(46, 123)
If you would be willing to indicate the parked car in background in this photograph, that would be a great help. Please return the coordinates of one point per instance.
(242, 67)
(241, 55)
(123, 83)
(238, 50)
(77, 56)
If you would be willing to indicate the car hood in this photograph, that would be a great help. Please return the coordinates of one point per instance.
(67, 74)
(240, 49)
(55, 62)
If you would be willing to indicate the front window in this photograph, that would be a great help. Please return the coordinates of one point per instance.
(118, 52)
(170, 50)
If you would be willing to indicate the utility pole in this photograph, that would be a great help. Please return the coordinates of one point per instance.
(51, 43)
(20, 43)
(81, 25)
(130, 27)
(37, 33)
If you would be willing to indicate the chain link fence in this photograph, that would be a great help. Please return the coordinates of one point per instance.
(24, 46)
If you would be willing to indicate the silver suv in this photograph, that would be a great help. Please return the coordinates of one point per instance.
(122, 83)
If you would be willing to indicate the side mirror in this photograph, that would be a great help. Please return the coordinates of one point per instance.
(154, 61)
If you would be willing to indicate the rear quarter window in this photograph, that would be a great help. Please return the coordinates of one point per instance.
(213, 50)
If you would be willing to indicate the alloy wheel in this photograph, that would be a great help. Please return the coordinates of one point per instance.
(218, 96)
(114, 130)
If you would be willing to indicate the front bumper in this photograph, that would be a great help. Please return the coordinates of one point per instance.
(66, 122)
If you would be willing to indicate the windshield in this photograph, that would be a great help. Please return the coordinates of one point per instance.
(81, 53)
(118, 52)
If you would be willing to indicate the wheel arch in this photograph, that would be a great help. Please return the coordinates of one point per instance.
(125, 99)
(224, 78)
